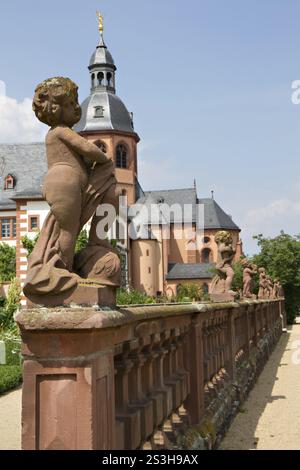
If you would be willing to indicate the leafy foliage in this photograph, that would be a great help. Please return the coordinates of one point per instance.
(189, 292)
(10, 377)
(11, 305)
(237, 284)
(281, 258)
(7, 262)
(82, 241)
(29, 243)
(133, 297)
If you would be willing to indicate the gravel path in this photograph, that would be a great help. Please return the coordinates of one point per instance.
(270, 418)
(10, 420)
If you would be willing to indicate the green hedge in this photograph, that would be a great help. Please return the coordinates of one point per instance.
(12, 352)
(10, 377)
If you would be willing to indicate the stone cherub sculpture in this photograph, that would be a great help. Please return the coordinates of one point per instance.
(270, 287)
(220, 289)
(80, 177)
(263, 292)
(277, 289)
(248, 272)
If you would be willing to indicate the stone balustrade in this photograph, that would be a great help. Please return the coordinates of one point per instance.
(96, 379)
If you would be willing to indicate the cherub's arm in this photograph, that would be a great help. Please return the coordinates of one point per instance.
(82, 146)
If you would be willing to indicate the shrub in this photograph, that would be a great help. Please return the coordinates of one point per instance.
(133, 297)
(11, 305)
(10, 377)
(7, 262)
(189, 292)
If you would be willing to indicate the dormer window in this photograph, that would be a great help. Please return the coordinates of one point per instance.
(99, 112)
(9, 182)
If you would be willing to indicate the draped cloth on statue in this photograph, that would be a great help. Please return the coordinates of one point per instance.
(47, 273)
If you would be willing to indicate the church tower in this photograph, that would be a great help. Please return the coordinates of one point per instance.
(107, 122)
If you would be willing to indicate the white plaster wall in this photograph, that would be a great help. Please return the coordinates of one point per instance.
(40, 208)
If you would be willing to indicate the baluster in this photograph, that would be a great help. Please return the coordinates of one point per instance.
(159, 377)
(137, 397)
(128, 420)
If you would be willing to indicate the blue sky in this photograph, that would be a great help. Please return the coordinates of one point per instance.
(209, 83)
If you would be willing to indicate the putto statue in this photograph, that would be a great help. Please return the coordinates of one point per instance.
(270, 287)
(220, 289)
(277, 289)
(263, 292)
(248, 272)
(79, 178)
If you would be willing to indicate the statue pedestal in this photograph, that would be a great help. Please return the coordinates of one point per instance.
(87, 295)
(68, 398)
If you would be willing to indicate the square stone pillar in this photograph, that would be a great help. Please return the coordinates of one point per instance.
(68, 398)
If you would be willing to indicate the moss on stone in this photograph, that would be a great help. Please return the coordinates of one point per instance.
(195, 437)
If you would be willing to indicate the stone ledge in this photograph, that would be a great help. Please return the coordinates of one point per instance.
(87, 318)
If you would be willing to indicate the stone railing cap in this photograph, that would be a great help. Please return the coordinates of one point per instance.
(86, 318)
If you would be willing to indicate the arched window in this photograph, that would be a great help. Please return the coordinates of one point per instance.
(205, 288)
(206, 255)
(109, 79)
(93, 80)
(100, 77)
(9, 182)
(206, 240)
(101, 145)
(121, 156)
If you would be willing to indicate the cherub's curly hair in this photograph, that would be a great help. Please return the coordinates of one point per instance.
(49, 96)
(223, 237)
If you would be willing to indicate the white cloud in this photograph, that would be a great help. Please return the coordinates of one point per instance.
(281, 214)
(18, 123)
(2, 88)
(276, 209)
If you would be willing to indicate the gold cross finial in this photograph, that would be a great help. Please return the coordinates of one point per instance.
(100, 18)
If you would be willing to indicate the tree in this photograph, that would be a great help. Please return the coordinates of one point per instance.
(280, 256)
(7, 262)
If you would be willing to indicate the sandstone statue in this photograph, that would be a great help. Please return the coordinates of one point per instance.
(270, 287)
(248, 272)
(80, 177)
(220, 289)
(263, 292)
(276, 289)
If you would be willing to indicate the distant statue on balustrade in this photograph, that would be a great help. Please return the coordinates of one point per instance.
(80, 177)
(220, 289)
(270, 287)
(248, 273)
(263, 292)
(278, 291)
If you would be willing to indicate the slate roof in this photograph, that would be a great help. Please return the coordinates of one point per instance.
(171, 197)
(27, 164)
(214, 216)
(190, 271)
(101, 56)
(115, 114)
